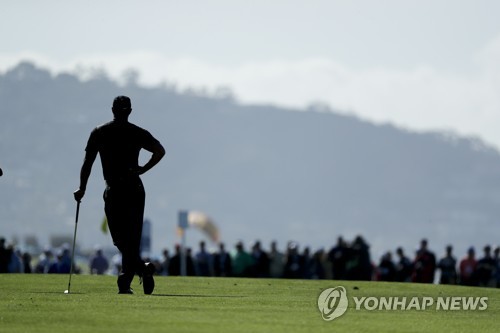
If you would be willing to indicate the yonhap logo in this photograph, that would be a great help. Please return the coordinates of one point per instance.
(332, 303)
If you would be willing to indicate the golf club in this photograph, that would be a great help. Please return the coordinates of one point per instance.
(73, 252)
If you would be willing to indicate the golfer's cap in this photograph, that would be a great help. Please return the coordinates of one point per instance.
(121, 103)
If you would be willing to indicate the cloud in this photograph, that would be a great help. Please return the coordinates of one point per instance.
(420, 98)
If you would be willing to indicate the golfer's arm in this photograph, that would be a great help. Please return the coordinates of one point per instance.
(158, 153)
(86, 169)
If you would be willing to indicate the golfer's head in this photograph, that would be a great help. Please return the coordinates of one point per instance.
(121, 107)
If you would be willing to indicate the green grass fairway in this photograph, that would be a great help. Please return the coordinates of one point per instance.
(37, 303)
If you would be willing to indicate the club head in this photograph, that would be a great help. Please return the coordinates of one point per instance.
(66, 291)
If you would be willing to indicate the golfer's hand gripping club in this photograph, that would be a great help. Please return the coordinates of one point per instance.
(78, 194)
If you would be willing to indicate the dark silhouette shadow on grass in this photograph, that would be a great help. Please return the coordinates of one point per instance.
(198, 296)
(157, 295)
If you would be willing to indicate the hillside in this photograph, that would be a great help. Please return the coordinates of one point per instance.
(262, 172)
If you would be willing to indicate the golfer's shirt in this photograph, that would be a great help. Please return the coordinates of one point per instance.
(119, 144)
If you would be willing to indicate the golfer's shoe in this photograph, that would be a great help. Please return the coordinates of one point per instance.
(128, 291)
(147, 280)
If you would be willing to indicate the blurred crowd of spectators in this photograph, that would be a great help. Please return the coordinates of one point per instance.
(344, 261)
(12, 260)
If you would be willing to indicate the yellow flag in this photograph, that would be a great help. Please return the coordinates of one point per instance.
(179, 231)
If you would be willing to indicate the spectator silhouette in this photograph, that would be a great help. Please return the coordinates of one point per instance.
(261, 261)
(496, 257)
(358, 266)
(485, 269)
(448, 265)
(307, 263)
(203, 261)
(190, 268)
(174, 268)
(317, 267)
(386, 268)
(165, 263)
(242, 262)
(424, 265)
(404, 267)
(64, 260)
(338, 258)
(294, 265)
(98, 263)
(222, 262)
(16, 261)
(4, 256)
(276, 261)
(27, 263)
(468, 269)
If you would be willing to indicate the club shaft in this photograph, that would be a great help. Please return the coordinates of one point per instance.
(74, 241)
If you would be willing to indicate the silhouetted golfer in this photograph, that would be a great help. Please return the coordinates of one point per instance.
(118, 143)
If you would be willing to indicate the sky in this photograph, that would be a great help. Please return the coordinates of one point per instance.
(422, 65)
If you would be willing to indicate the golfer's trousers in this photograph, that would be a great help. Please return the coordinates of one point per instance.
(124, 206)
